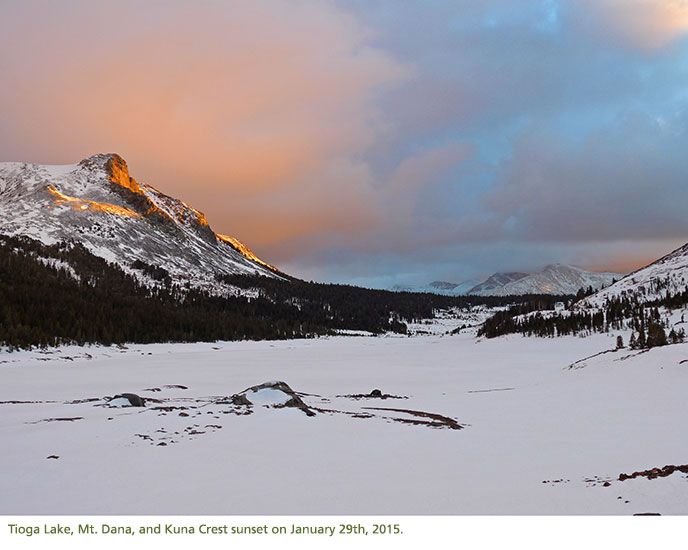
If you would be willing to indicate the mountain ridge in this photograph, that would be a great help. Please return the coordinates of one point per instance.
(552, 279)
(98, 203)
(666, 275)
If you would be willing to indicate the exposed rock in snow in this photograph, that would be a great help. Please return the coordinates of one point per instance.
(127, 400)
(275, 395)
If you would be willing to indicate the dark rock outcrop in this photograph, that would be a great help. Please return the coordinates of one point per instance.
(656, 472)
(134, 400)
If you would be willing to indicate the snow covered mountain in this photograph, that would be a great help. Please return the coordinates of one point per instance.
(668, 275)
(495, 283)
(553, 279)
(440, 287)
(98, 204)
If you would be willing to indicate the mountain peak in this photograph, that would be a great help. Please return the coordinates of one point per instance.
(118, 173)
(115, 167)
(100, 205)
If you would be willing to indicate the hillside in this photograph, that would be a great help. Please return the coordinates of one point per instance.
(666, 276)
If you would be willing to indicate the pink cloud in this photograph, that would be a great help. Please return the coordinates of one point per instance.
(256, 112)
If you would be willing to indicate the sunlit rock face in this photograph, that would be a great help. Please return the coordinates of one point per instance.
(118, 173)
(97, 203)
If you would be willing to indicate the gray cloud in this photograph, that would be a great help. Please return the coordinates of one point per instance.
(625, 181)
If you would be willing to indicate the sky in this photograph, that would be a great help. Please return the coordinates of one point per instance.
(374, 142)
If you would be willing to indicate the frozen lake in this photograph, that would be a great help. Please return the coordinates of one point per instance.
(535, 437)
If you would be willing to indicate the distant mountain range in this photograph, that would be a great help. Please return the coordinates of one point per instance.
(552, 279)
(495, 283)
(440, 287)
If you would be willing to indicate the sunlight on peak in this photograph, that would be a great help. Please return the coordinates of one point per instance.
(243, 249)
(84, 204)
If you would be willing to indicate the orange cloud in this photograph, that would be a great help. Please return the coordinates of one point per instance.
(256, 112)
(628, 256)
(647, 24)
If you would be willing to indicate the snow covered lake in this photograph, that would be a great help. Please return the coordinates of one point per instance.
(464, 426)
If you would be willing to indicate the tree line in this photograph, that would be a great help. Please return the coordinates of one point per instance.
(43, 303)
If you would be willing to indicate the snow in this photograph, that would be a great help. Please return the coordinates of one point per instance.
(59, 170)
(119, 402)
(268, 397)
(447, 320)
(538, 437)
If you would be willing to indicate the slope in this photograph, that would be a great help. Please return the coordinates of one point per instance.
(666, 276)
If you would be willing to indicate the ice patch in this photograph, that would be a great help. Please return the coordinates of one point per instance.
(269, 397)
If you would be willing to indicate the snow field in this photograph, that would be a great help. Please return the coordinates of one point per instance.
(538, 437)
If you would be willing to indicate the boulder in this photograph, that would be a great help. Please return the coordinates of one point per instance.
(275, 395)
(133, 400)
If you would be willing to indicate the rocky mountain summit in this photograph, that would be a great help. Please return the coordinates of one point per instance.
(97, 203)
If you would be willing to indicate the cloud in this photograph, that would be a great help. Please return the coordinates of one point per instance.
(390, 214)
(416, 174)
(249, 110)
(644, 24)
(625, 181)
